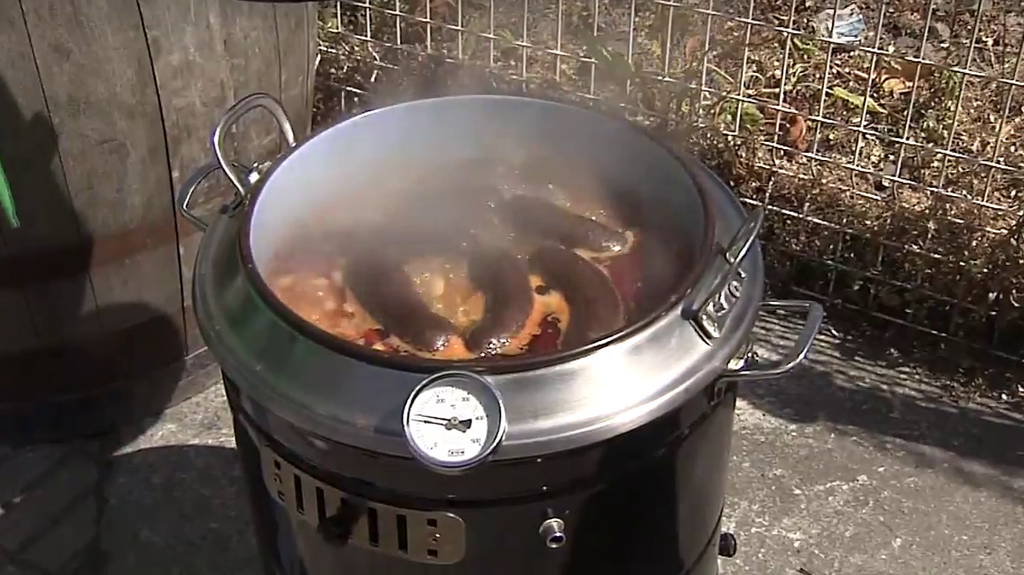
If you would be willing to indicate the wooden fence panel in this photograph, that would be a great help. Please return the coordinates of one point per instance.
(206, 55)
(105, 108)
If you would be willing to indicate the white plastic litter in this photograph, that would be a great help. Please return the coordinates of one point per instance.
(849, 25)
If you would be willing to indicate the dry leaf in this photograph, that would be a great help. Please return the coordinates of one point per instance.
(896, 85)
(796, 132)
(690, 50)
(906, 70)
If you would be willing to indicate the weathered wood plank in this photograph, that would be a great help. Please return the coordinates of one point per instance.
(296, 31)
(252, 51)
(105, 107)
(313, 57)
(193, 75)
(206, 55)
(96, 73)
(48, 219)
(94, 362)
(27, 265)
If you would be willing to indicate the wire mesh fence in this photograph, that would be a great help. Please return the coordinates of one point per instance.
(885, 139)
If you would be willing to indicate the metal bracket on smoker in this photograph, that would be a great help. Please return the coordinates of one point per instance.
(711, 303)
(746, 355)
(437, 538)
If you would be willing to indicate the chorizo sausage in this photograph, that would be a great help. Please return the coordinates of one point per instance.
(595, 308)
(535, 215)
(383, 288)
(504, 281)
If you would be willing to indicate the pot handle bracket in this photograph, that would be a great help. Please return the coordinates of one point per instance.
(241, 177)
(709, 304)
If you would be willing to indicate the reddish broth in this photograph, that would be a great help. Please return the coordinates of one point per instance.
(314, 288)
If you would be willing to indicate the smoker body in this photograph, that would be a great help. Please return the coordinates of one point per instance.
(649, 501)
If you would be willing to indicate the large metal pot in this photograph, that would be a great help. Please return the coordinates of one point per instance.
(307, 403)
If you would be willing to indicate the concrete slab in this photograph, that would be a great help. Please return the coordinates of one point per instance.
(175, 499)
(848, 467)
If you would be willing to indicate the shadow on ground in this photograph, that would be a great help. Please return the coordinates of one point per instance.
(162, 510)
(178, 509)
(895, 407)
(964, 371)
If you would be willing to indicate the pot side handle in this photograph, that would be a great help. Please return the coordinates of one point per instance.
(232, 116)
(812, 324)
(184, 195)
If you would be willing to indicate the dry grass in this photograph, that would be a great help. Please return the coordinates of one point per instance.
(891, 170)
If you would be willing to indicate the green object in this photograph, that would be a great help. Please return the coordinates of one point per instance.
(7, 200)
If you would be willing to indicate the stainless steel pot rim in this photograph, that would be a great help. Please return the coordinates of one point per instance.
(564, 406)
(250, 187)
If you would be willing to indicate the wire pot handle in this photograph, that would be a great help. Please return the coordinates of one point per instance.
(232, 116)
(812, 324)
(184, 195)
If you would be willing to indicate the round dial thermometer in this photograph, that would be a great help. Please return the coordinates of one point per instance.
(453, 421)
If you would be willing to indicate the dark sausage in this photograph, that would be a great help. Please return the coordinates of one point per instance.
(595, 308)
(384, 289)
(533, 215)
(504, 281)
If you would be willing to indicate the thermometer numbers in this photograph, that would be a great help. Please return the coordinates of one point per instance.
(448, 424)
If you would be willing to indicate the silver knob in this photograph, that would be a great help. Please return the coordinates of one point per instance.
(553, 532)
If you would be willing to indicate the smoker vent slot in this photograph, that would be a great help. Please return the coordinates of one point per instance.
(300, 505)
(437, 538)
(373, 529)
(321, 506)
(402, 526)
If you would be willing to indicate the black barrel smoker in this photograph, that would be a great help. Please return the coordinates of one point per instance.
(611, 458)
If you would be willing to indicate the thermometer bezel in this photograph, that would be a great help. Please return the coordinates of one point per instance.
(483, 392)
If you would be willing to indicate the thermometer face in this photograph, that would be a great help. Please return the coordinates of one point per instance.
(453, 421)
